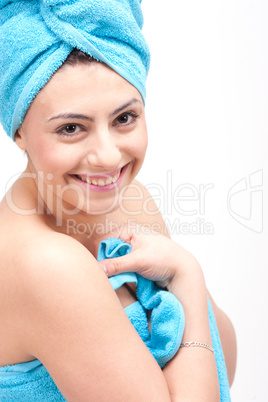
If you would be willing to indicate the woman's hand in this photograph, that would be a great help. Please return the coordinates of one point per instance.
(160, 259)
(153, 256)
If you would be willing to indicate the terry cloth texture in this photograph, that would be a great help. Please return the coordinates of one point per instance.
(30, 382)
(36, 36)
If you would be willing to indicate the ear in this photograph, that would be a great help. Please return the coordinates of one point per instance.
(19, 139)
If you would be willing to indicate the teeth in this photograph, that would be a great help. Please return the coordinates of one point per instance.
(108, 181)
(114, 179)
(101, 182)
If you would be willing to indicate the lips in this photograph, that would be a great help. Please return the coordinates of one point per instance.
(104, 182)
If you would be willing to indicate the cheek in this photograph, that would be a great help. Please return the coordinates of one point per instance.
(50, 157)
(139, 144)
(141, 148)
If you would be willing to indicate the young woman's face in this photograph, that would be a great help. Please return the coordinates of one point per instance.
(85, 136)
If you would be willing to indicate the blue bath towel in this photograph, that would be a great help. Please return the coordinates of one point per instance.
(36, 36)
(29, 382)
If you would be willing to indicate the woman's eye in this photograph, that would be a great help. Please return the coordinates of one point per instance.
(126, 118)
(68, 129)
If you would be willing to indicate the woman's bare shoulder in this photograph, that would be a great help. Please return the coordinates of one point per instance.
(76, 326)
(37, 260)
(137, 206)
(43, 257)
(49, 246)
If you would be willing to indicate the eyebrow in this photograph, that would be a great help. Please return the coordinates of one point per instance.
(71, 116)
(130, 103)
(85, 117)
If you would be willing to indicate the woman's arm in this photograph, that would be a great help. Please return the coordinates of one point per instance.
(192, 374)
(149, 215)
(73, 322)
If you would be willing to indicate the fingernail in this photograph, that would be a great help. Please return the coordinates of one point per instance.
(104, 268)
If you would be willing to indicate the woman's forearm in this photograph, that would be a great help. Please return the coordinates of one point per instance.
(192, 374)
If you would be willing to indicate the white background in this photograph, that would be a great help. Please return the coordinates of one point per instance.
(207, 119)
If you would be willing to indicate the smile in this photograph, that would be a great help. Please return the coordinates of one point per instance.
(102, 183)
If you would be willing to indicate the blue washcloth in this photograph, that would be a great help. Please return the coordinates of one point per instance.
(167, 316)
(36, 36)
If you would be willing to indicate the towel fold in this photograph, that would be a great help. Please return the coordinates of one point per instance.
(36, 36)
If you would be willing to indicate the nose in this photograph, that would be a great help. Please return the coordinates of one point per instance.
(103, 151)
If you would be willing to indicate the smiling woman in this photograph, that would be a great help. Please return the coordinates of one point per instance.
(93, 141)
(102, 307)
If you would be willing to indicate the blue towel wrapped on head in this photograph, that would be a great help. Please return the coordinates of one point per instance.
(29, 382)
(36, 36)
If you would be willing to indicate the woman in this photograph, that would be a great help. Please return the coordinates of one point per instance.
(83, 129)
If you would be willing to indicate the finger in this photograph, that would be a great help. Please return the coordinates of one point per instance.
(127, 263)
